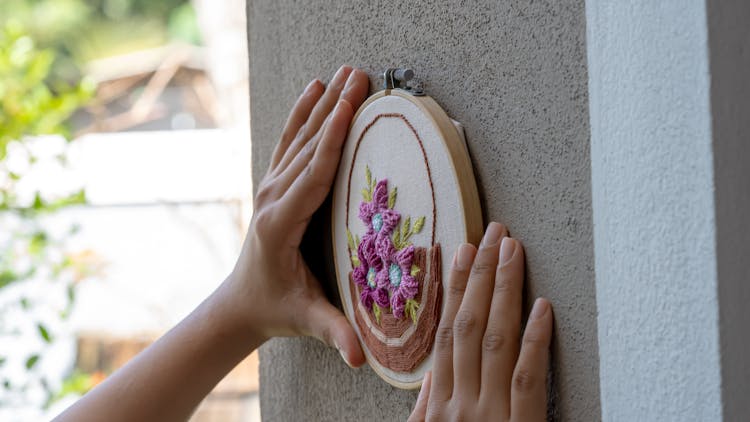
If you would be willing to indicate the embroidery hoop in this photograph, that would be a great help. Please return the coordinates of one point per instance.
(454, 193)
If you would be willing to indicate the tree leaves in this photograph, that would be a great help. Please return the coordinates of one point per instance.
(32, 361)
(44, 332)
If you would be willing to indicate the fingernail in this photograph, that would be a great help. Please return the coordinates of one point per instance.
(492, 235)
(340, 74)
(539, 309)
(506, 250)
(340, 105)
(312, 84)
(462, 259)
(343, 355)
(348, 85)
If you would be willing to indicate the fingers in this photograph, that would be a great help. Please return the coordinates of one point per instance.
(317, 116)
(471, 319)
(310, 188)
(500, 343)
(297, 117)
(354, 93)
(443, 364)
(420, 409)
(529, 385)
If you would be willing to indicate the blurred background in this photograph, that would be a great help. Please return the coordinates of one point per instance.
(125, 188)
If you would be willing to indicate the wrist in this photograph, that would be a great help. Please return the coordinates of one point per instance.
(233, 311)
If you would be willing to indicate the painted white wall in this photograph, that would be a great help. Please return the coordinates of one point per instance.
(653, 208)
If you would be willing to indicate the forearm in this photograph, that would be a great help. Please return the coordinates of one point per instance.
(170, 378)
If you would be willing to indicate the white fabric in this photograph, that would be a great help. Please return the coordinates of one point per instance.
(391, 151)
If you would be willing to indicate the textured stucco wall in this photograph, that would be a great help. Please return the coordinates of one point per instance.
(653, 200)
(729, 42)
(514, 73)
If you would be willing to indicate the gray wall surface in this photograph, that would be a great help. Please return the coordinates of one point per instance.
(514, 73)
(654, 223)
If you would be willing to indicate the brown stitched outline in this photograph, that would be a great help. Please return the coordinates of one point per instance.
(424, 155)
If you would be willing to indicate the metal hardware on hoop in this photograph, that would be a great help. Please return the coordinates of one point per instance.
(398, 78)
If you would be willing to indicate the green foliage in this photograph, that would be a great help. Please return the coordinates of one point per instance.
(82, 30)
(31, 104)
(78, 383)
(33, 101)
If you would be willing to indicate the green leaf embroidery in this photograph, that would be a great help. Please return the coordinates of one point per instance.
(414, 270)
(392, 197)
(350, 240)
(396, 238)
(368, 176)
(418, 224)
(376, 311)
(411, 308)
(366, 195)
(355, 261)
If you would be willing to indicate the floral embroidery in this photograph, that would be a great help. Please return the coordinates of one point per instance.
(384, 261)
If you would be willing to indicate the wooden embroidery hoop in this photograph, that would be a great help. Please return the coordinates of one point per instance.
(448, 141)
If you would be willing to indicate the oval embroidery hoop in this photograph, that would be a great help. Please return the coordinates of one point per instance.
(403, 200)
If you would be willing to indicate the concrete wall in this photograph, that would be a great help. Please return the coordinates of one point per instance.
(652, 177)
(670, 99)
(514, 73)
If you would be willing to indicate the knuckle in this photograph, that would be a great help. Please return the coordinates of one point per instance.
(265, 192)
(481, 268)
(464, 324)
(264, 222)
(435, 415)
(524, 381)
(460, 411)
(308, 149)
(444, 337)
(494, 342)
(456, 290)
(503, 284)
(534, 339)
(302, 133)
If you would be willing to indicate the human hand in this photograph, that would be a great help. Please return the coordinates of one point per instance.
(479, 373)
(272, 287)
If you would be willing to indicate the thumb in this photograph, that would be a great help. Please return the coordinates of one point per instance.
(328, 324)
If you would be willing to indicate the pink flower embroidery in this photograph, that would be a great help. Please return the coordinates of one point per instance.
(376, 215)
(365, 274)
(384, 270)
(395, 275)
